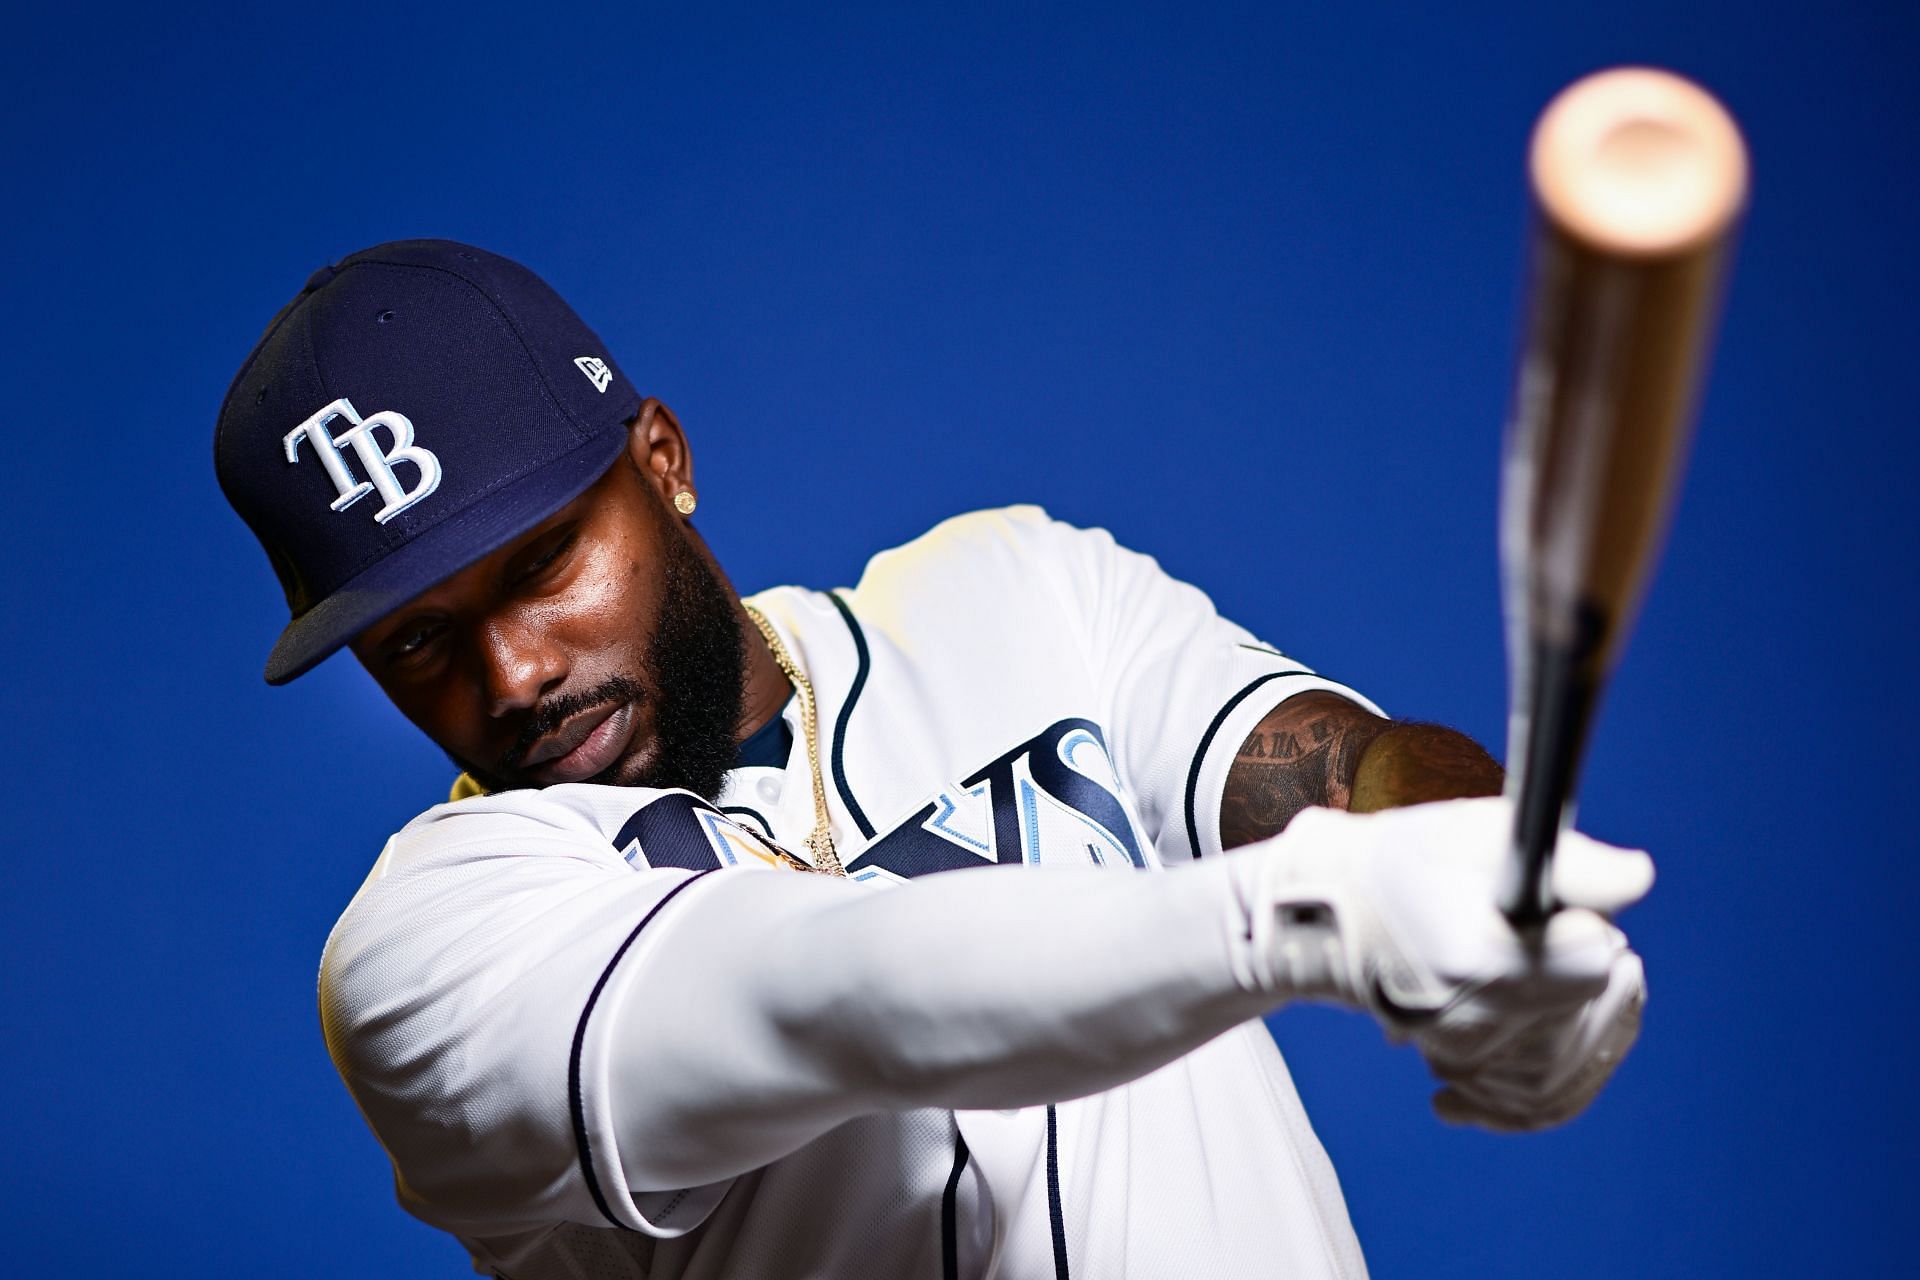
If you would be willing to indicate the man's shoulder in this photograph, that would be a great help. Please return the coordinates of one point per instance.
(579, 821)
(938, 579)
(992, 550)
(987, 590)
(462, 854)
(989, 547)
(448, 879)
(1021, 529)
(464, 826)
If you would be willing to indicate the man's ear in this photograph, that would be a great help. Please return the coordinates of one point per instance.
(658, 448)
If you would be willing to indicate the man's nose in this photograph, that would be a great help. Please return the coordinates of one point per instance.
(522, 663)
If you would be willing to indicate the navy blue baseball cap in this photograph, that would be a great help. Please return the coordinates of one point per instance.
(417, 406)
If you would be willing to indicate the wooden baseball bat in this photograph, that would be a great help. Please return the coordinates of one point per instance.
(1638, 178)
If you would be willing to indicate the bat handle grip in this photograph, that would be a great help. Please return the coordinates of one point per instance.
(1562, 691)
(1525, 898)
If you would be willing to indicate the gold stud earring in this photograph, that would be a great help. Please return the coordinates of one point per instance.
(684, 502)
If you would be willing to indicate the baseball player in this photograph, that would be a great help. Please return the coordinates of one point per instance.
(678, 983)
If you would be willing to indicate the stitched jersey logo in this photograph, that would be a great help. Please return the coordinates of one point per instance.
(376, 463)
(596, 370)
(1053, 798)
(681, 830)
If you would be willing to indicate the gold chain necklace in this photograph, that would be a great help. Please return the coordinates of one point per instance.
(820, 840)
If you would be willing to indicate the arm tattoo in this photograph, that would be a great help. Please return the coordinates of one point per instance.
(1305, 752)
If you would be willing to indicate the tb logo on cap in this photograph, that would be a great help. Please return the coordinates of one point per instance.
(378, 465)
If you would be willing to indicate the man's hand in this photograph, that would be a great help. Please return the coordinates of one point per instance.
(1543, 1071)
(1396, 913)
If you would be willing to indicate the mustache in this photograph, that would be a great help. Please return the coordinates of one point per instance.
(556, 711)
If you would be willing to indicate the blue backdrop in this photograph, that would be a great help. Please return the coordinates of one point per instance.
(1239, 284)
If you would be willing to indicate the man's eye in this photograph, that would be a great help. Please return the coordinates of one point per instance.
(546, 561)
(410, 643)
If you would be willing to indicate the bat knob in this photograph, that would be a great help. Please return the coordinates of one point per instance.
(1639, 162)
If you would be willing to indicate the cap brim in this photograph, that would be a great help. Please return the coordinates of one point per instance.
(437, 554)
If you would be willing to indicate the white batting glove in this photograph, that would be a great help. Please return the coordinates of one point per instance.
(1396, 913)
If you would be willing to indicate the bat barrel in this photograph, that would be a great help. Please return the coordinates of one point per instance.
(1638, 178)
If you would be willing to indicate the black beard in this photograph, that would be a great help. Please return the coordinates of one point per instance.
(698, 660)
(696, 664)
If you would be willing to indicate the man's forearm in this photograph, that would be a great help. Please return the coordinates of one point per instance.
(1319, 748)
(1414, 763)
(796, 1003)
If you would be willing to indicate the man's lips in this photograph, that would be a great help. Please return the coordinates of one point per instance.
(582, 747)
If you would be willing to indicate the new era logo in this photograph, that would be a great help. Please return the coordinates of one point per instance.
(596, 370)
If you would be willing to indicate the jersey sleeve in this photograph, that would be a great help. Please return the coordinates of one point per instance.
(541, 1033)
(1183, 686)
(456, 995)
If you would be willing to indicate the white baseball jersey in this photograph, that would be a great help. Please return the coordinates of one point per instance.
(577, 1018)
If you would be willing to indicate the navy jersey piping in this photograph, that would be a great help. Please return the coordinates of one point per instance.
(1056, 1212)
(1206, 741)
(846, 714)
(575, 1103)
(950, 1212)
(766, 828)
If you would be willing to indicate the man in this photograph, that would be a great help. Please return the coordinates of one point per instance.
(594, 1045)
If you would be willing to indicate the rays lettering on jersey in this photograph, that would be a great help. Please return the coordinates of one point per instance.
(1055, 795)
(681, 830)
